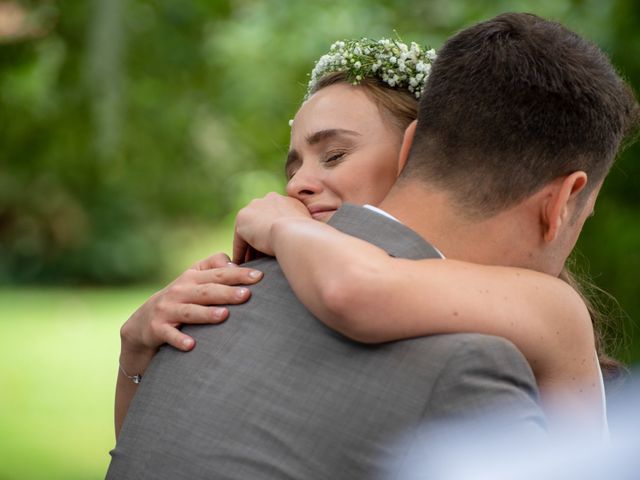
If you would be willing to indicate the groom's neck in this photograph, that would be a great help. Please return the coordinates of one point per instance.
(434, 216)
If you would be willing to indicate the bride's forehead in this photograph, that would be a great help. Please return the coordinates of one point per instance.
(342, 98)
(335, 107)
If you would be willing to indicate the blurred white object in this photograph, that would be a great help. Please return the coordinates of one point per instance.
(486, 450)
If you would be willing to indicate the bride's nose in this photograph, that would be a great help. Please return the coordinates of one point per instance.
(304, 184)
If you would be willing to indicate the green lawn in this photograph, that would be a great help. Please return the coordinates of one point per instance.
(58, 365)
(58, 352)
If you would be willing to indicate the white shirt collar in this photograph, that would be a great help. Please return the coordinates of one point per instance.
(381, 212)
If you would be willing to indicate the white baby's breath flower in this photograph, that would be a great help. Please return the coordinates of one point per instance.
(392, 61)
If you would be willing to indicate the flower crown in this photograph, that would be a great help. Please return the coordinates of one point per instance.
(392, 61)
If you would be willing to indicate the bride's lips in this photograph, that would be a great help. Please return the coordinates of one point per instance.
(321, 212)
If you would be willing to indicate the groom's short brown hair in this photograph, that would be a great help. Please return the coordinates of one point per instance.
(511, 104)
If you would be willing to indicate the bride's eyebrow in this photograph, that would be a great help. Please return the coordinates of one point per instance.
(322, 135)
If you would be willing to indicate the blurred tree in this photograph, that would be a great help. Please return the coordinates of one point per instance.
(122, 118)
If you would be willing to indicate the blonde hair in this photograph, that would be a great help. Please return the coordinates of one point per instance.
(602, 319)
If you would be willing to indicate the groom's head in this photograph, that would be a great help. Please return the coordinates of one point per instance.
(519, 123)
(512, 104)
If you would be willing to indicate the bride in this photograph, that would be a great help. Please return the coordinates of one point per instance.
(347, 146)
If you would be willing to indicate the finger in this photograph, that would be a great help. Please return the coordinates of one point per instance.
(228, 276)
(217, 260)
(176, 338)
(196, 314)
(210, 294)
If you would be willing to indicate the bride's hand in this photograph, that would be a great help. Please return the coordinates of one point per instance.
(254, 222)
(190, 299)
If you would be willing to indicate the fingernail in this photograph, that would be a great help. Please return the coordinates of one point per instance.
(218, 313)
(241, 292)
(255, 274)
(187, 342)
(231, 264)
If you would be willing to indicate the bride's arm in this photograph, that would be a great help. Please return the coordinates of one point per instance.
(357, 289)
(371, 297)
(360, 291)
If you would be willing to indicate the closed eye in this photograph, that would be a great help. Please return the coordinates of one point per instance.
(334, 157)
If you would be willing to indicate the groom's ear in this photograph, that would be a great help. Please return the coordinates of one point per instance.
(407, 141)
(561, 202)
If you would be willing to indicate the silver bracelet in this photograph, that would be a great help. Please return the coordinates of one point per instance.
(137, 378)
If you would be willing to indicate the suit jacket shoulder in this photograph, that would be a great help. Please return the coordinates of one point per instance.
(392, 236)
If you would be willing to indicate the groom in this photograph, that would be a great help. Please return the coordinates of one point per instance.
(519, 124)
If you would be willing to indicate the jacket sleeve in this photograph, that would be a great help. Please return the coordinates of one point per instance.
(483, 409)
(488, 381)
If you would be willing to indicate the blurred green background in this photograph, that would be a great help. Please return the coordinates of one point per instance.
(130, 133)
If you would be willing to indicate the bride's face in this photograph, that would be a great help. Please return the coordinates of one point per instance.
(342, 150)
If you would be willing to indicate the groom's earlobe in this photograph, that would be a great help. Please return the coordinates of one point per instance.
(407, 141)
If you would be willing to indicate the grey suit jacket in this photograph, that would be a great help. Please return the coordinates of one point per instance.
(274, 394)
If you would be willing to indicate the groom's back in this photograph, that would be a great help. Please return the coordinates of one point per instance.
(273, 393)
